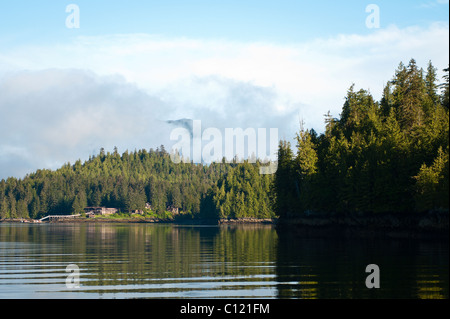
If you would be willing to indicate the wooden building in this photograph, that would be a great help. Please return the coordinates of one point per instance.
(100, 211)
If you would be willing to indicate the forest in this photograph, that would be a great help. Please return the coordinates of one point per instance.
(387, 156)
(131, 180)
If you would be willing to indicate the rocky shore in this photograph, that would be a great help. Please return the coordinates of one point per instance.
(248, 221)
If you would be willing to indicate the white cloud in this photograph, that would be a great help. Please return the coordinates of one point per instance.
(155, 62)
(53, 116)
(432, 4)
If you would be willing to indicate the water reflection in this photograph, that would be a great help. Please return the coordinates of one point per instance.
(327, 268)
(159, 261)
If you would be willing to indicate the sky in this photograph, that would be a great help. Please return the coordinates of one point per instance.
(127, 67)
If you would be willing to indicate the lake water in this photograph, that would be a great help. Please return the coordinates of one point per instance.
(247, 261)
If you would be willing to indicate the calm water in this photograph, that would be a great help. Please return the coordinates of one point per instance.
(169, 261)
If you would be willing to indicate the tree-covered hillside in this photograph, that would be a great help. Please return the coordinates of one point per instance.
(126, 181)
(241, 193)
(131, 180)
(378, 157)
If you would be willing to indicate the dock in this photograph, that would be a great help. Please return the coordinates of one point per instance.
(50, 217)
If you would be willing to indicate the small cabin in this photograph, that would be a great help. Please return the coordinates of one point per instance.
(174, 210)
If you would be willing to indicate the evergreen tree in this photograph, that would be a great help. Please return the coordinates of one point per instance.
(284, 184)
(445, 90)
(4, 209)
(306, 168)
(410, 93)
(387, 100)
(12, 206)
(79, 202)
(431, 86)
(35, 206)
(433, 183)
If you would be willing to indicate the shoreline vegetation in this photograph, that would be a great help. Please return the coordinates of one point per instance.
(381, 166)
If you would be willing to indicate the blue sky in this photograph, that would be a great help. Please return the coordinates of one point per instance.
(133, 65)
(251, 20)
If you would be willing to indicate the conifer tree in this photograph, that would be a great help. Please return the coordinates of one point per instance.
(431, 86)
(306, 167)
(284, 183)
(445, 89)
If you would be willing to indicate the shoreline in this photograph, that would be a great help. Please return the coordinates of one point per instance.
(241, 221)
(427, 225)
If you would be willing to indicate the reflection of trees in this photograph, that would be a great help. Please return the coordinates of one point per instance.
(120, 255)
(245, 250)
(140, 254)
(115, 257)
(326, 267)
